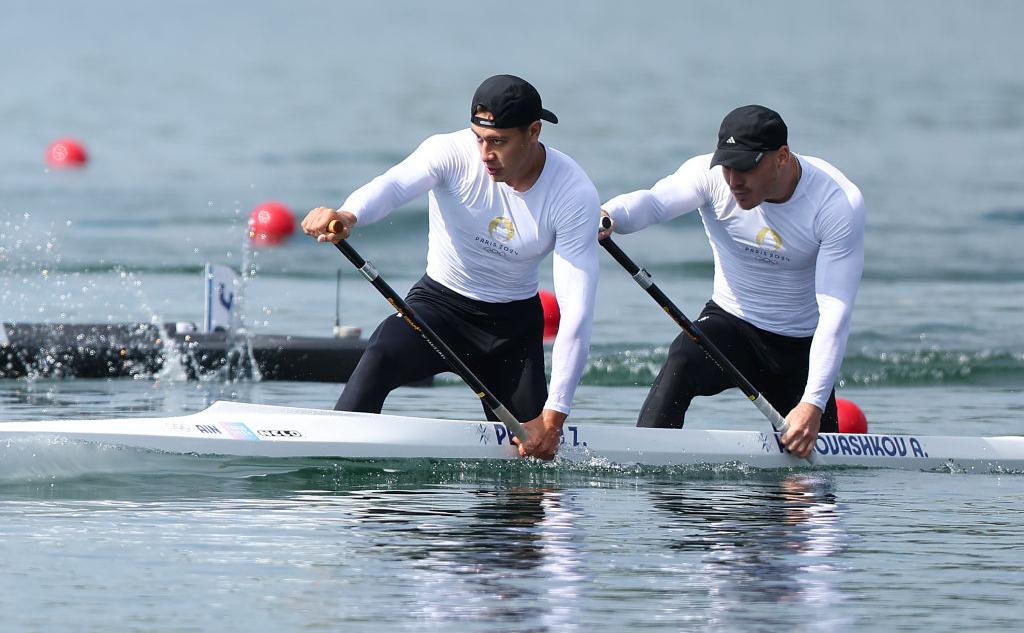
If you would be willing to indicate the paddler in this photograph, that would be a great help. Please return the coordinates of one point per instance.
(499, 202)
(787, 234)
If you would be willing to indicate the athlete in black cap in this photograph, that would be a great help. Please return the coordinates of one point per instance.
(499, 202)
(787, 233)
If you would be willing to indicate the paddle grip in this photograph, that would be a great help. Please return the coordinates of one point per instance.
(332, 226)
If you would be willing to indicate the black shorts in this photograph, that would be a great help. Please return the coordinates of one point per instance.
(502, 343)
(776, 365)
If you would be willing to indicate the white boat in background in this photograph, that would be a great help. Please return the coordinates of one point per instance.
(251, 430)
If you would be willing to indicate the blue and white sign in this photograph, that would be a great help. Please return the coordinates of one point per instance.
(221, 286)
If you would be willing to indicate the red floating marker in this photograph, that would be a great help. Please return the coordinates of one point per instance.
(270, 224)
(552, 314)
(66, 152)
(851, 418)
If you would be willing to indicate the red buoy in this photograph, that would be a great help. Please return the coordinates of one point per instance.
(66, 152)
(552, 314)
(851, 418)
(270, 224)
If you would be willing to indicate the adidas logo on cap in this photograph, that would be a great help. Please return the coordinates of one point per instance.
(730, 140)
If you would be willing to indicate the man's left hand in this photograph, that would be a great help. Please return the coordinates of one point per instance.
(545, 433)
(802, 425)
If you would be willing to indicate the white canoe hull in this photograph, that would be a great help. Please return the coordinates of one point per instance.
(248, 430)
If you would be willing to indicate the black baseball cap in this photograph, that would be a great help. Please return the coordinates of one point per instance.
(512, 101)
(746, 134)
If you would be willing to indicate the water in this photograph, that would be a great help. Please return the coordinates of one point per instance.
(196, 112)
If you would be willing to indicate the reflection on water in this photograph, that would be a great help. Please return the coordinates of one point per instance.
(729, 555)
(737, 552)
(487, 556)
(768, 543)
(464, 547)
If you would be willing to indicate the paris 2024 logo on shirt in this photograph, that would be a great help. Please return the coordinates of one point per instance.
(500, 232)
(501, 228)
(768, 247)
(770, 237)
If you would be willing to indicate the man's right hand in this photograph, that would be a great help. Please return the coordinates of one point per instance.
(317, 224)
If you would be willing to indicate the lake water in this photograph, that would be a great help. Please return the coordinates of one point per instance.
(195, 112)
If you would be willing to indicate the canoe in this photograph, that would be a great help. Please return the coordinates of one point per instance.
(252, 430)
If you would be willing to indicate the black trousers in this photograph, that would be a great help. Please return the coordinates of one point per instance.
(502, 343)
(776, 365)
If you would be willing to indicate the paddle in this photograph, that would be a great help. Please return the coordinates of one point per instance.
(643, 278)
(435, 341)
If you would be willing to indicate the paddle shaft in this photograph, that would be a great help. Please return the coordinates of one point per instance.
(370, 273)
(643, 278)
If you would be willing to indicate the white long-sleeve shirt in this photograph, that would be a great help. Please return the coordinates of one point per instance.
(486, 240)
(791, 268)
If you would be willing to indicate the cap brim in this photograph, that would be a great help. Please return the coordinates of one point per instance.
(738, 159)
(548, 115)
